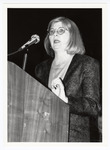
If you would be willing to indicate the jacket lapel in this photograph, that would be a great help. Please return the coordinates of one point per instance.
(48, 67)
(71, 68)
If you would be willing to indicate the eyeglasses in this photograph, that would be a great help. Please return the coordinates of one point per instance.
(60, 31)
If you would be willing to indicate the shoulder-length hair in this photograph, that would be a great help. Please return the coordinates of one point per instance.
(75, 44)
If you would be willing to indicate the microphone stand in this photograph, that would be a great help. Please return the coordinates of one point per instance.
(25, 59)
(25, 55)
(34, 40)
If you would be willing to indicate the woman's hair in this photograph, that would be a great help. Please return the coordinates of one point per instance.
(75, 44)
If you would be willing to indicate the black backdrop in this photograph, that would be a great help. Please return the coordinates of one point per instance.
(23, 23)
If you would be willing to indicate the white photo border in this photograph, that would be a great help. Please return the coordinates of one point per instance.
(3, 68)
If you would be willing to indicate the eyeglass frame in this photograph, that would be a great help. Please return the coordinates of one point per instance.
(57, 31)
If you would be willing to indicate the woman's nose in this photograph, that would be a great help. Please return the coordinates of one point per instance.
(56, 33)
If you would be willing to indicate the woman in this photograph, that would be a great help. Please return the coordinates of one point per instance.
(72, 76)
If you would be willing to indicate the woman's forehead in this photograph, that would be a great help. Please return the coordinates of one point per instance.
(57, 24)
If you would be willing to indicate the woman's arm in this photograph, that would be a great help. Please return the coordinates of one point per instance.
(88, 104)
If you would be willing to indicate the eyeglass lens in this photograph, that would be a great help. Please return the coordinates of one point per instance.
(59, 31)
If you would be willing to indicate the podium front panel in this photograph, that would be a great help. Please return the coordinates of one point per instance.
(35, 114)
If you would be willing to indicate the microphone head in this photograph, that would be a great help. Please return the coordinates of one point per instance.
(36, 38)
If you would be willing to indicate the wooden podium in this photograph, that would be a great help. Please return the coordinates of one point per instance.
(35, 114)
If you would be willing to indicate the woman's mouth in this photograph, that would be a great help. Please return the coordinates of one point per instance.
(56, 41)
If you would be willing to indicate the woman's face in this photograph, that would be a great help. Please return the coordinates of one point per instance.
(59, 37)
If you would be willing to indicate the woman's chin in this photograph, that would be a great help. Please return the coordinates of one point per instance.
(56, 48)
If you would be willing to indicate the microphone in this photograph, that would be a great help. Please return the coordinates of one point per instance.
(34, 40)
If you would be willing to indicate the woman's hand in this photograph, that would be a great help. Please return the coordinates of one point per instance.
(58, 89)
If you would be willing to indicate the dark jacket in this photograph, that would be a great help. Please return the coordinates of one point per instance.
(82, 89)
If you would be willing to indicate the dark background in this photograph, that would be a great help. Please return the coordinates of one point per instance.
(23, 23)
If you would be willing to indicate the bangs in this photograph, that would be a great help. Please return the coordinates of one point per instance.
(64, 22)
